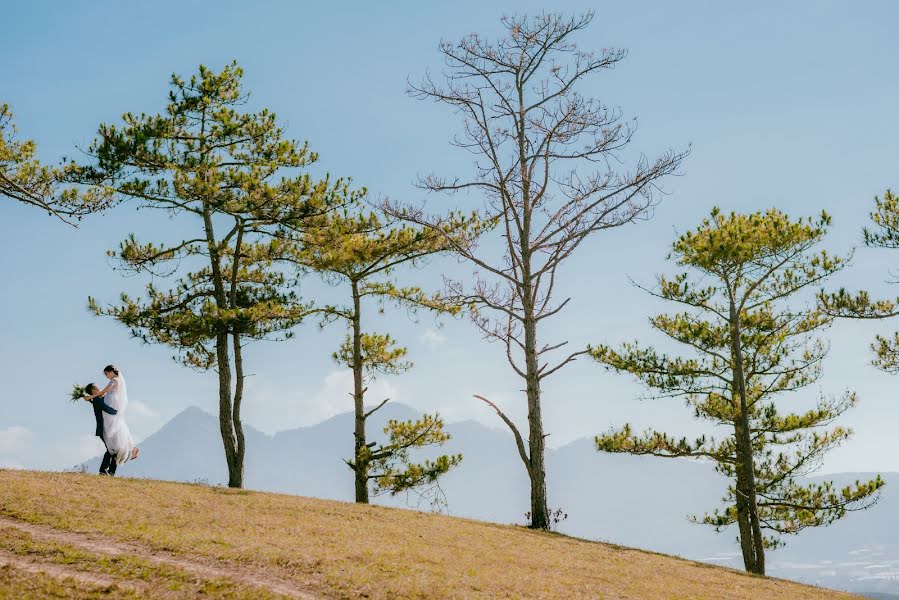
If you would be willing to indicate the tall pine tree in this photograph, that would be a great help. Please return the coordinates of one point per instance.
(234, 179)
(749, 341)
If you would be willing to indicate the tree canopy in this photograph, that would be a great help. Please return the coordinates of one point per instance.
(236, 180)
(748, 341)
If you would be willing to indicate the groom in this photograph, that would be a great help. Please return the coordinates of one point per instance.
(108, 466)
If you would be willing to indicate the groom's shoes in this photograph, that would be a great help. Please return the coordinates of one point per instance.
(108, 465)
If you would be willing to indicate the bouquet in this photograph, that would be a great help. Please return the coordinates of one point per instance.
(78, 392)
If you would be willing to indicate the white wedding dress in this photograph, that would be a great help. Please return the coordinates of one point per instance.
(115, 429)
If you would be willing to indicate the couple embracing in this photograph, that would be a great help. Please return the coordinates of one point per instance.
(109, 411)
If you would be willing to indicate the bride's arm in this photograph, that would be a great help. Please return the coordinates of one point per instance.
(103, 391)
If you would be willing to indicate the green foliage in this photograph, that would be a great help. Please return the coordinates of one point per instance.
(25, 179)
(886, 217)
(360, 244)
(859, 305)
(380, 354)
(22, 177)
(203, 159)
(363, 250)
(746, 334)
(235, 179)
(390, 466)
(78, 392)
(188, 317)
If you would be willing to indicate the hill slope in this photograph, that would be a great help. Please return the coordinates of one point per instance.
(609, 497)
(92, 536)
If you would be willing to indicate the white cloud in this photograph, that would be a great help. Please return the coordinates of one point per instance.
(15, 444)
(334, 396)
(463, 406)
(432, 339)
(73, 450)
(85, 447)
(270, 407)
(14, 439)
(140, 409)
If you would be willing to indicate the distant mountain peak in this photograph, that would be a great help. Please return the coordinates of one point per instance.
(192, 411)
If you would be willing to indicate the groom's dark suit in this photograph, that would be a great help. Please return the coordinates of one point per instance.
(108, 465)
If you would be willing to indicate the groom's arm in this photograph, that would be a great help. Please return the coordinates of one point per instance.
(105, 407)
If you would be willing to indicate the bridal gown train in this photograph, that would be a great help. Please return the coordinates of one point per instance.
(118, 436)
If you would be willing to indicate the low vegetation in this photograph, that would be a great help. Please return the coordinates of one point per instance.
(174, 540)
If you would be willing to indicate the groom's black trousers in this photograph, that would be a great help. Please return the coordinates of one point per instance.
(109, 464)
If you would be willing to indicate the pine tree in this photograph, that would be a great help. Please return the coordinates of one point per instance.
(25, 179)
(750, 341)
(860, 305)
(538, 143)
(362, 251)
(224, 173)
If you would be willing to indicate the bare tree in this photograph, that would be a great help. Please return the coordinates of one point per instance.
(550, 165)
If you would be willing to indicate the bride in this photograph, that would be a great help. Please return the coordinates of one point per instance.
(116, 433)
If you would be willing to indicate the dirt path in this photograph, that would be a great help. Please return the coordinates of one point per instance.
(201, 567)
(58, 571)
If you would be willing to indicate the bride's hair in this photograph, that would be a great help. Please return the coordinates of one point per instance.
(111, 368)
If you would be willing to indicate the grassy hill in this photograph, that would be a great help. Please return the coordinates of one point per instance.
(73, 535)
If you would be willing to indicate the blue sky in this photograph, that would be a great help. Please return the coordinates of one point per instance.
(785, 104)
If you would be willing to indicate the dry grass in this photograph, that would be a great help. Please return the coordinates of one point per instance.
(336, 549)
(16, 584)
(123, 575)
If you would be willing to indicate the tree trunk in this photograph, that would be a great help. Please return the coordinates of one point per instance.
(226, 419)
(361, 463)
(237, 471)
(745, 465)
(536, 439)
(233, 449)
(742, 503)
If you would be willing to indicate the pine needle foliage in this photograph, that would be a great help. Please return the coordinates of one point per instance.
(749, 341)
(860, 305)
(233, 180)
(23, 178)
(362, 251)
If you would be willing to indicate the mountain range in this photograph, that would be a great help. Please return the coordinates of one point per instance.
(643, 502)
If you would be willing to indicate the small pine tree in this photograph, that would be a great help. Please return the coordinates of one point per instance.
(750, 342)
(361, 250)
